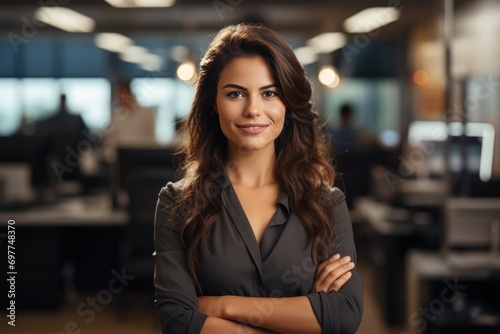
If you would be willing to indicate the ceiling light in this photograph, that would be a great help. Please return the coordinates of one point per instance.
(112, 41)
(328, 77)
(186, 71)
(65, 19)
(327, 42)
(151, 62)
(140, 3)
(193, 79)
(306, 55)
(179, 53)
(133, 54)
(370, 19)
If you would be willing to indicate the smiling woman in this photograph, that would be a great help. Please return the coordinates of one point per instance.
(251, 114)
(254, 238)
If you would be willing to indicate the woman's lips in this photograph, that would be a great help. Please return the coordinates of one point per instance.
(252, 128)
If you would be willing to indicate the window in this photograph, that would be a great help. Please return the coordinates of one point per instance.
(31, 100)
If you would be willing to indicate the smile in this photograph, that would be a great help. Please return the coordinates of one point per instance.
(252, 128)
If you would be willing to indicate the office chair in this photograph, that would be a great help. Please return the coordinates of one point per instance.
(137, 245)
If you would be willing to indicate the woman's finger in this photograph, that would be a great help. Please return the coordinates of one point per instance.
(328, 278)
(332, 262)
(331, 259)
(340, 282)
(330, 282)
(331, 266)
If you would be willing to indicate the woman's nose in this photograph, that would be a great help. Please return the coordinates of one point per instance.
(253, 107)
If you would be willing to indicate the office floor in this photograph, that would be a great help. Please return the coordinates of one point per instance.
(372, 322)
(133, 314)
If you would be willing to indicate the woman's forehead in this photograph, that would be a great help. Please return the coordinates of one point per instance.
(252, 71)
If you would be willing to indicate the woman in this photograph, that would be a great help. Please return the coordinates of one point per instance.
(253, 239)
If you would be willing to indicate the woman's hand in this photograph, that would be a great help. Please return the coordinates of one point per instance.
(332, 274)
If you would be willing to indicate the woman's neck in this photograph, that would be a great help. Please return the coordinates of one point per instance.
(252, 168)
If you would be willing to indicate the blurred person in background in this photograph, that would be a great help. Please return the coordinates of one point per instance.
(131, 124)
(254, 225)
(353, 151)
(345, 136)
(132, 127)
(65, 131)
(62, 121)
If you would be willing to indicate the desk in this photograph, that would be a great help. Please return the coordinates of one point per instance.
(382, 217)
(93, 210)
(82, 233)
(424, 267)
(423, 193)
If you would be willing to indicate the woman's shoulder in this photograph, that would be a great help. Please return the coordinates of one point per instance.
(170, 192)
(167, 199)
(336, 193)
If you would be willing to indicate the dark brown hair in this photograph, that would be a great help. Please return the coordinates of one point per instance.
(302, 157)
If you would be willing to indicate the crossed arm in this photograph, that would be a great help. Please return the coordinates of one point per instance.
(329, 310)
(235, 314)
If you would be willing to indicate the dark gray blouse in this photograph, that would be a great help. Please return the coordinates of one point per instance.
(235, 264)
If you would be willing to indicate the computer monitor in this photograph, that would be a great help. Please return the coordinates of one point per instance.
(471, 232)
(429, 138)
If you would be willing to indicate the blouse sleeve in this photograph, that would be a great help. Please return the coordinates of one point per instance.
(176, 299)
(341, 311)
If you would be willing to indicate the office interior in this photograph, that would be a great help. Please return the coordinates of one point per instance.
(419, 161)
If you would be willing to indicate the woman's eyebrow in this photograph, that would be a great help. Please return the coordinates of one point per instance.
(269, 86)
(234, 86)
(245, 89)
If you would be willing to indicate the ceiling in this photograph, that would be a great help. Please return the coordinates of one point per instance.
(306, 18)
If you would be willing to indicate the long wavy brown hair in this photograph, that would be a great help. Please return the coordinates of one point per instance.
(303, 164)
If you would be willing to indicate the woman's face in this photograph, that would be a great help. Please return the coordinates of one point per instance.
(251, 113)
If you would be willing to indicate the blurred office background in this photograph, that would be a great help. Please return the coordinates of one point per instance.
(409, 91)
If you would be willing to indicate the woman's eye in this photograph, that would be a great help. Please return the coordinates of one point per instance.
(235, 95)
(270, 93)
